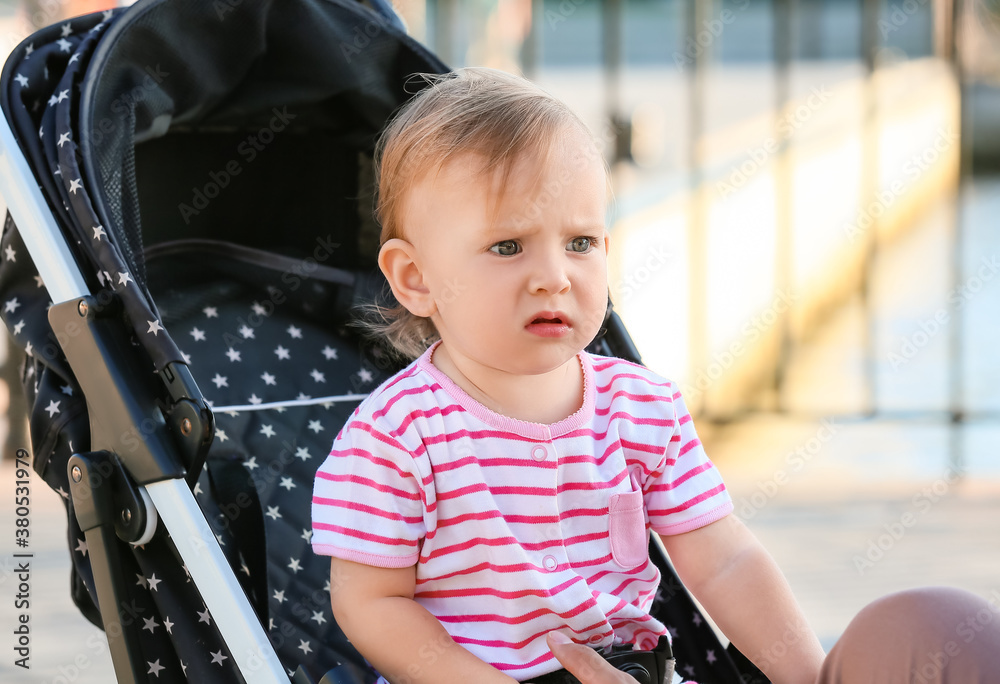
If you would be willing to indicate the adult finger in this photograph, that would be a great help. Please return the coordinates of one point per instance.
(583, 662)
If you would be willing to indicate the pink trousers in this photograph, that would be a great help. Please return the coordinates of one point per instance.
(931, 635)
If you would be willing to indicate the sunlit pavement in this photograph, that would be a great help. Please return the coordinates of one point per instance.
(853, 507)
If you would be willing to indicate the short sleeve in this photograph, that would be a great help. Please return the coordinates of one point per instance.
(686, 491)
(368, 499)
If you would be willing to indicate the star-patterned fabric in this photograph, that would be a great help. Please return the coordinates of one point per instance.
(281, 373)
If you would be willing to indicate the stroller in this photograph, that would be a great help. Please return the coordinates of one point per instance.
(189, 187)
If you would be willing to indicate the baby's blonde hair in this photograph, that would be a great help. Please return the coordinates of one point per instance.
(500, 117)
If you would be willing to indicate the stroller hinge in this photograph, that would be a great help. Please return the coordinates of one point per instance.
(126, 401)
(189, 418)
(102, 494)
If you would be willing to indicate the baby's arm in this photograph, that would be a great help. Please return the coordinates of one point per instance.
(741, 587)
(375, 608)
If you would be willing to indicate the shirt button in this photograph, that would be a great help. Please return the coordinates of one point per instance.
(550, 563)
(539, 453)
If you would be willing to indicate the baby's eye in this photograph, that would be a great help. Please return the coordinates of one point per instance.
(506, 248)
(582, 244)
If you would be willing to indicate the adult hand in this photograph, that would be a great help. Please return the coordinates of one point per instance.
(583, 662)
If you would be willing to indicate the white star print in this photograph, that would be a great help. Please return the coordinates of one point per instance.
(197, 488)
(167, 623)
(63, 493)
(22, 79)
(53, 408)
(220, 381)
(67, 30)
(254, 399)
(365, 375)
(272, 511)
(710, 657)
(258, 309)
(154, 327)
(10, 253)
(52, 100)
(221, 434)
(287, 483)
(697, 620)
(30, 352)
(154, 667)
(64, 45)
(123, 278)
(11, 305)
(17, 328)
(315, 426)
(210, 312)
(296, 333)
(38, 281)
(64, 138)
(150, 624)
(217, 658)
(304, 646)
(63, 94)
(317, 376)
(329, 352)
(75, 184)
(142, 582)
(153, 581)
(307, 535)
(98, 232)
(302, 396)
(303, 453)
(76, 56)
(282, 352)
(28, 50)
(204, 616)
(187, 358)
(198, 334)
(267, 431)
(233, 355)
(247, 332)
(81, 546)
(294, 566)
(318, 617)
(279, 596)
(251, 464)
(268, 379)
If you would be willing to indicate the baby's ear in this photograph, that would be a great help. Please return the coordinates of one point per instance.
(398, 261)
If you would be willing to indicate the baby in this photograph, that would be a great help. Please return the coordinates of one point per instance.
(504, 484)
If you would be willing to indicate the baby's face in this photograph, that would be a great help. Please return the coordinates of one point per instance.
(527, 292)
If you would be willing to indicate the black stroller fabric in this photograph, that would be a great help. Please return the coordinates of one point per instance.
(240, 254)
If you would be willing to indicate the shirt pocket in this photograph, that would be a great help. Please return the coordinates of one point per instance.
(627, 527)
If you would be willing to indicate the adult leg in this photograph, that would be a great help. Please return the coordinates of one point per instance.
(931, 635)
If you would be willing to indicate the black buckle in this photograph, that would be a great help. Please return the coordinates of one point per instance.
(646, 667)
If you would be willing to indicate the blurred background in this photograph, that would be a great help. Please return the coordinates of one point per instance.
(804, 237)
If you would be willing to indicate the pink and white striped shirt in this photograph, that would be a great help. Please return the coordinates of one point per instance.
(519, 528)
